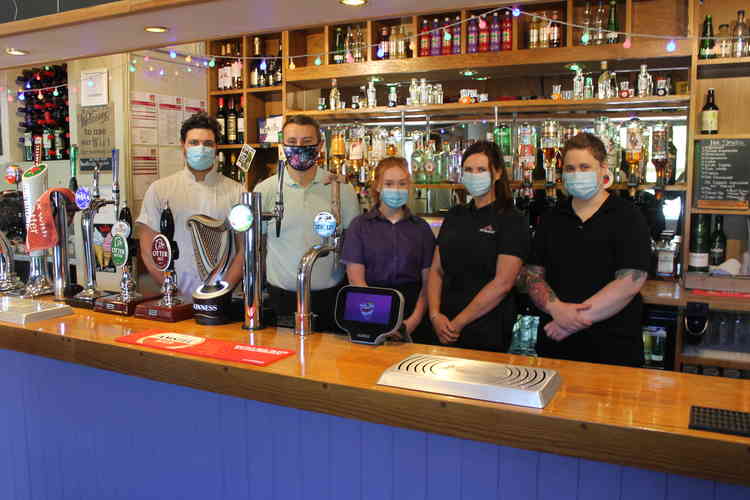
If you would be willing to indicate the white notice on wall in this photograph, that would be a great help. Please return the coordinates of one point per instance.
(94, 87)
(170, 119)
(193, 106)
(142, 135)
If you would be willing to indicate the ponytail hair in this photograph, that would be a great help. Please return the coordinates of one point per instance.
(503, 196)
(383, 165)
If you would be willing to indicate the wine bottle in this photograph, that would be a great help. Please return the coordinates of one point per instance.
(707, 42)
(231, 123)
(221, 117)
(612, 26)
(700, 243)
(710, 115)
(718, 253)
(241, 122)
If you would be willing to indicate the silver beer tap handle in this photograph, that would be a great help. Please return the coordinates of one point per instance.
(116, 180)
(95, 188)
(278, 211)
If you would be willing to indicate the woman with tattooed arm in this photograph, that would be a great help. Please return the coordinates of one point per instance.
(589, 260)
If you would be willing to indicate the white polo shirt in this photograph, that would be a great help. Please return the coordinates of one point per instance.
(301, 205)
(214, 197)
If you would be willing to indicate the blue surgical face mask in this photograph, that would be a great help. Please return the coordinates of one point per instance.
(583, 185)
(394, 198)
(477, 184)
(200, 157)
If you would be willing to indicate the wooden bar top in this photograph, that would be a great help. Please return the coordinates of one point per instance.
(621, 415)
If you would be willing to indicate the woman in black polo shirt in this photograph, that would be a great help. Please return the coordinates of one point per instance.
(481, 249)
(589, 260)
(391, 247)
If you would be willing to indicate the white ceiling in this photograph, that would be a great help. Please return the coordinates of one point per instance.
(199, 21)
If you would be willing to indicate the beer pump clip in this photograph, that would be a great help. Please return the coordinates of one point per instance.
(164, 251)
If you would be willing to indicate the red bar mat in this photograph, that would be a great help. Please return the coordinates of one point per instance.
(714, 293)
(206, 348)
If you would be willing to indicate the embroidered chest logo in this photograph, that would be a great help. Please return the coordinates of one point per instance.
(487, 229)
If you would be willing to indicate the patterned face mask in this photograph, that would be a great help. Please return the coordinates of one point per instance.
(301, 157)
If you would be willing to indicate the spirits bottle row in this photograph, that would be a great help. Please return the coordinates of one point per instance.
(731, 40)
(265, 72)
(708, 245)
(231, 121)
(229, 70)
(545, 31)
(349, 44)
(599, 25)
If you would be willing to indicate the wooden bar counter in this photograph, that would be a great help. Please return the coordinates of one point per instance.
(634, 418)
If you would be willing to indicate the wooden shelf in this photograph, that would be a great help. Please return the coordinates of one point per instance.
(229, 146)
(732, 67)
(713, 357)
(719, 211)
(445, 185)
(265, 145)
(664, 293)
(722, 61)
(721, 136)
(262, 90)
(535, 105)
(506, 64)
(226, 92)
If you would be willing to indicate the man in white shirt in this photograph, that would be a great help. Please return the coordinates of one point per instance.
(197, 189)
(306, 193)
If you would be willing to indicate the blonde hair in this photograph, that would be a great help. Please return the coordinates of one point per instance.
(383, 165)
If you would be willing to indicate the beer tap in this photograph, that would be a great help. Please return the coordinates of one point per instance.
(9, 281)
(34, 184)
(90, 202)
(328, 226)
(248, 217)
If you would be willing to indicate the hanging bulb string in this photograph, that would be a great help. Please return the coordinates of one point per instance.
(36, 91)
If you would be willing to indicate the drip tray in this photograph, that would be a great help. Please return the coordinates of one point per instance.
(496, 382)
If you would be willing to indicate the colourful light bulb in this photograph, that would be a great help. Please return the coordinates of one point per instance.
(55, 93)
(39, 96)
(349, 57)
(291, 64)
(516, 12)
(132, 68)
(318, 62)
(482, 22)
(28, 85)
(172, 54)
(21, 96)
(188, 58)
(90, 83)
(627, 43)
(671, 46)
(381, 52)
(189, 70)
(161, 72)
(10, 98)
(447, 37)
(212, 63)
(146, 58)
(263, 66)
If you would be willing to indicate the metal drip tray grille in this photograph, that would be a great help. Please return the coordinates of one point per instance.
(497, 382)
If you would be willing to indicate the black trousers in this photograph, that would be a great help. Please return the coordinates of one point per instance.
(323, 304)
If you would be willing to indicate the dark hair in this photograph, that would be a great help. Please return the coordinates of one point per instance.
(200, 120)
(386, 164)
(589, 142)
(302, 120)
(503, 196)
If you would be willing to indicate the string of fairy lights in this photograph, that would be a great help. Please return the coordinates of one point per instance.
(194, 63)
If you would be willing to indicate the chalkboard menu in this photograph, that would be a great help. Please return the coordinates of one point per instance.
(723, 176)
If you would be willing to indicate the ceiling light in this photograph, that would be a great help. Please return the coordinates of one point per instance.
(353, 3)
(156, 29)
(16, 52)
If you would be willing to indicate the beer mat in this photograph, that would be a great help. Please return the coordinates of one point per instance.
(714, 293)
(206, 348)
(718, 420)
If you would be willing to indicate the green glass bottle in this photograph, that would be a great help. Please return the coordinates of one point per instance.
(707, 42)
(612, 25)
(718, 253)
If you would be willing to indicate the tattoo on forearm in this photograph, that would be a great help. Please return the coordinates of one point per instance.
(538, 289)
(634, 274)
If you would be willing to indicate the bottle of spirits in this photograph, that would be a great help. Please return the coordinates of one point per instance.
(403, 42)
(507, 31)
(604, 83)
(495, 33)
(339, 48)
(544, 29)
(392, 96)
(372, 96)
(429, 163)
(278, 74)
(739, 36)
(417, 163)
(700, 244)
(718, 252)
(588, 88)
(660, 152)
(579, 83)
(472, 42)
(599, 17)
(231, 123)
(222, 70)
(255, 67)
(436, 40)
(484, 35)
(534, 33)
(334, 98)
(414, 93)
(393, 42)
(221, 163)
(586, 23)
(385, 47)
(237, 67)
(710, 115)
(645, 85)
(725, 42)
(456, 40)
(359, 44)
(241, 121)
(221, 117)
(613, 26)
(424, 39)
(555, 31)
(707, 42)
(447, 45)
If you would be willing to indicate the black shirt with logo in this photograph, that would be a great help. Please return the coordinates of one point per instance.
(470, 241)
(581, 258)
